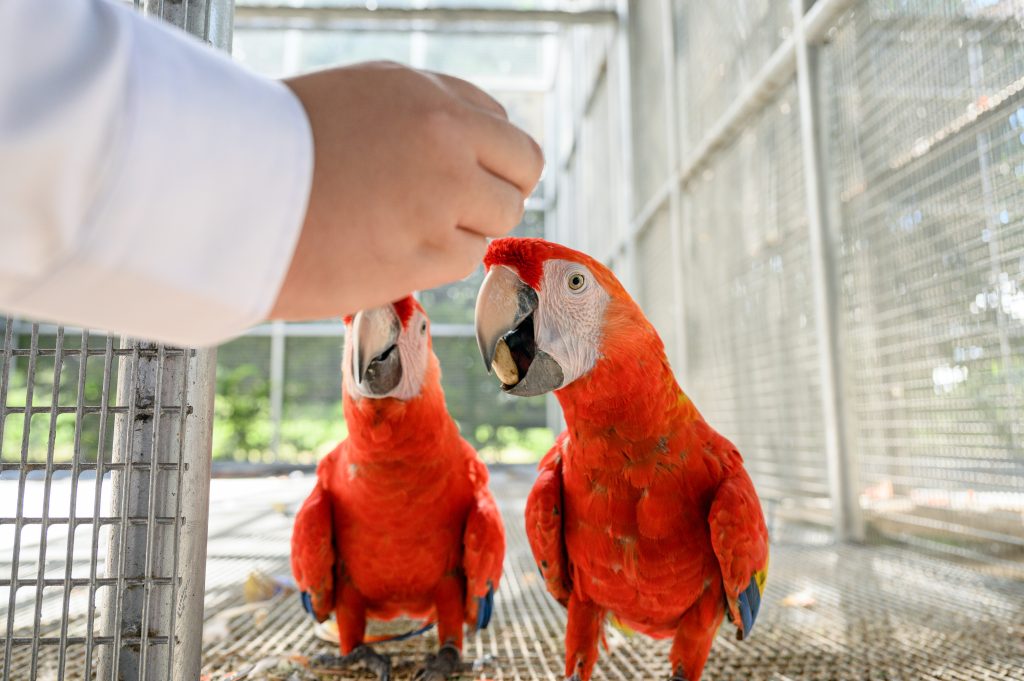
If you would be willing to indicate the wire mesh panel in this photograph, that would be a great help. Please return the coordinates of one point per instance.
(103, 511)
(722, 45)
(928, 123)
(842, 613)
(749, 308)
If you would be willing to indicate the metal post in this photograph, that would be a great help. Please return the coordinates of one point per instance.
(194, 504)
(151, 617)
(625, 116)
(277, 343)
(848, 524)
(675, 202)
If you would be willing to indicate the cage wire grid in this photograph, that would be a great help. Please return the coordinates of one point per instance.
(93, 523)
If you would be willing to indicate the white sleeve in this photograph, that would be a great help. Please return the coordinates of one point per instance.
(148, 185)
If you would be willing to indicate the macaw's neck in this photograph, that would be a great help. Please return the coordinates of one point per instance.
(390, 429)
(630, 395)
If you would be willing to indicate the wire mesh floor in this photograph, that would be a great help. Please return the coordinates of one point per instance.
(831, 612)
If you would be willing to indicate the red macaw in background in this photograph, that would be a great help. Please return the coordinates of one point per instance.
(401, 520)
(641, 510)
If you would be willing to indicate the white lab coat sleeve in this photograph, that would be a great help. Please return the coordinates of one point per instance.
(148, 185)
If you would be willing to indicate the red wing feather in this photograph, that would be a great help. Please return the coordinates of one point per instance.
(544, 514)
(483, 543)
(313, 553)
(740, 540)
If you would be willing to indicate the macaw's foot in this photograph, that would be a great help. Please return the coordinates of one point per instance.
(574, 677)
(361, 656)
(440, 666)
(678, 676)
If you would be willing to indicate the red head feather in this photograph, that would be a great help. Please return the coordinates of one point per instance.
(527, 258)
(403, 308)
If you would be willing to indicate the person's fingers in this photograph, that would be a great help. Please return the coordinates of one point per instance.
(471, 93)
(505, 150)
(455, 259)
(492, 206)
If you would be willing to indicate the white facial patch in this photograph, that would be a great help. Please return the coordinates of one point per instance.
(569, 319)
(412, 350)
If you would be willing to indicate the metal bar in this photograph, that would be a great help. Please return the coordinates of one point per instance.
(675, 200)
(108, 363)
(85, 581)
(337, 330)
(140, 521)
(277, 342)
(6, 362)
(83, 365)
(147, 411)
(194, 495)
(848, 525)
(79, 640)
(58, 363)
(176, 563)
(421, 18)
(5, 369)
(71, 466)
(121, 486)
(30, 379)
(625, 118)
(151, 510)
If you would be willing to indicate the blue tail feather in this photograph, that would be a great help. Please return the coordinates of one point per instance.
(485, 607)
(307, 603)
(749, 603)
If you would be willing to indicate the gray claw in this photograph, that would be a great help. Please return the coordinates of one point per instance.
(440, 666)
(362, 655)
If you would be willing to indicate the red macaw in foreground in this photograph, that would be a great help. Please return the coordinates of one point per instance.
(401, 520)
(641, 511)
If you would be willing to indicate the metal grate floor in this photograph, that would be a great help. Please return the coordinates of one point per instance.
(831, 612)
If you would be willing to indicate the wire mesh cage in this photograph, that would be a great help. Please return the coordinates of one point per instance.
(856, 327)
(930, 196)
(104, 465)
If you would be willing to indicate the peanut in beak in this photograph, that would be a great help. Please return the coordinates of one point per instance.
(504, 366)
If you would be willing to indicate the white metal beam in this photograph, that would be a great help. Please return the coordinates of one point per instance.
(444, 19)
(847, 524)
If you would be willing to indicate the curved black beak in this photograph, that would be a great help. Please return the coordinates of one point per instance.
(505, 334)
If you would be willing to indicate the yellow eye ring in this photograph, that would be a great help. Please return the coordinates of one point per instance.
(576, 281)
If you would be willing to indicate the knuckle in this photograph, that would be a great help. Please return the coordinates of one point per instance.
(512, 213)
(439, 126)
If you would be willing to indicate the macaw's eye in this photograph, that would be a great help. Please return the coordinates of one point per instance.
(423, 327)
(576, 281)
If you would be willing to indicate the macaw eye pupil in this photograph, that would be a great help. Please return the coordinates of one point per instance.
(423, 327)
(576, 281)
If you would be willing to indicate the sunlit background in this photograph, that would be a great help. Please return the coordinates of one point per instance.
(279, 388)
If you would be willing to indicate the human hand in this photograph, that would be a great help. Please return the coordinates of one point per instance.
(412, 172)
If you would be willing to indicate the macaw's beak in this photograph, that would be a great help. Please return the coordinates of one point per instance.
(505, 333)
(377, 364)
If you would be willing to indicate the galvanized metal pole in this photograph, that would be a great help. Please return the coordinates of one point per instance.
(152, 616)
(277, 348)
(675, 198)
(847, 519)
(624, 98)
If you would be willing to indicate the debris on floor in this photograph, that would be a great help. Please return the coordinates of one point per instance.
(800, 599)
